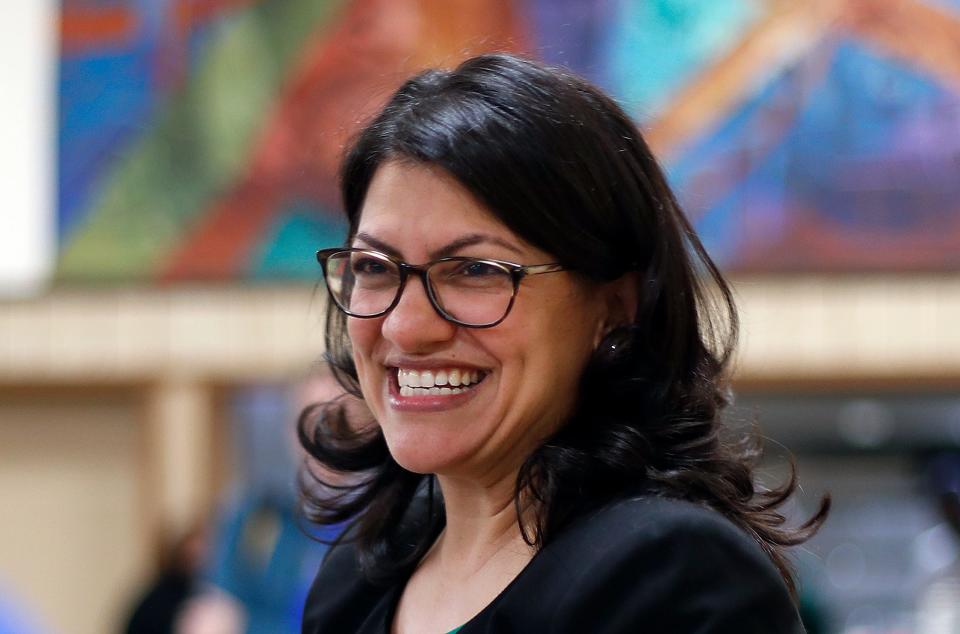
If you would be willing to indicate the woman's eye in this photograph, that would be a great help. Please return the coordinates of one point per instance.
(479, 269)
(369, 266)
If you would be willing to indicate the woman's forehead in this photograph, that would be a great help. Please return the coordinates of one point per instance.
(405, 188)
(424, 206)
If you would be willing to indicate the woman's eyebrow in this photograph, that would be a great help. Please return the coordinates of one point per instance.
(470, 240)
(447, 250)
(377, 244)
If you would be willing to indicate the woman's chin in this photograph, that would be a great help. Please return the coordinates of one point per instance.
(420, 455)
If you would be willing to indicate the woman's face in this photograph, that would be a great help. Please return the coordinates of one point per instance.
(524, 371)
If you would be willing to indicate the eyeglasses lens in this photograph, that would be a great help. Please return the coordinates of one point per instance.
(362, 283)
(473, 292)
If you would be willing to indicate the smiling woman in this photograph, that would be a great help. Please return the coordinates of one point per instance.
(527, 366)
(541, 342)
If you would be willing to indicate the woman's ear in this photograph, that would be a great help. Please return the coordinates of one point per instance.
(621, 299)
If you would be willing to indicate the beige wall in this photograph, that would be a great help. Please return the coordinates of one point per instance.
(73, 540)
(796, 328)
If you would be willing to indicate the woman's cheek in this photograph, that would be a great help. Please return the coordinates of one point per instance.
(362, 335)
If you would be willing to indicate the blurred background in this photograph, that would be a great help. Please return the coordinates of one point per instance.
(168, 168)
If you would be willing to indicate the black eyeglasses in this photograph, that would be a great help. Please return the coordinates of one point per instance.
(472, 292)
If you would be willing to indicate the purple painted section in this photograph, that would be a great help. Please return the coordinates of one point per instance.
(572, 33)
(860, 170)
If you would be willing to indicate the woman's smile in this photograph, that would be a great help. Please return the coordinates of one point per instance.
(430, 388)
(451, 398)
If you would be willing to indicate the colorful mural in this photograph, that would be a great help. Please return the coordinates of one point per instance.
(846, 156)
(199, 138)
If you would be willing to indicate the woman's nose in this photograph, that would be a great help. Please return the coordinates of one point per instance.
(414, 325)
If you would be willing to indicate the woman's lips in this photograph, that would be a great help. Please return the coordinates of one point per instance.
(432, 390)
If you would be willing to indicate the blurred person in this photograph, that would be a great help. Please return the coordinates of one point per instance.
(263, 561)
(263, 558)
(543, 344)
(211, 612)
(157, 610)
(938, 610)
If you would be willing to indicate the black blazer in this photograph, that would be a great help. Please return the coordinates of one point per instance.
(646, 565)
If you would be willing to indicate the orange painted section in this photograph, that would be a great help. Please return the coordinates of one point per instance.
(924, 36)
(730, 79)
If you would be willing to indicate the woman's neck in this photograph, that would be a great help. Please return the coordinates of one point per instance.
(478, 553)
(481, 527)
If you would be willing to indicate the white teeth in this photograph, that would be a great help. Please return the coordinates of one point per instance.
(435, 382)
(429, 391)
(409, 378)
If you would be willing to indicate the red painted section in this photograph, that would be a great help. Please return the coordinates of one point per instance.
(187, 14)
(85, 27)
(212, 253)
(813, 232)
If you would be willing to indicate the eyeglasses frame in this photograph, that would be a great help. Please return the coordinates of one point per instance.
(517, 273)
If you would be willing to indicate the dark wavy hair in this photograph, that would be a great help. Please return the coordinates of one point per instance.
(561, 165)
